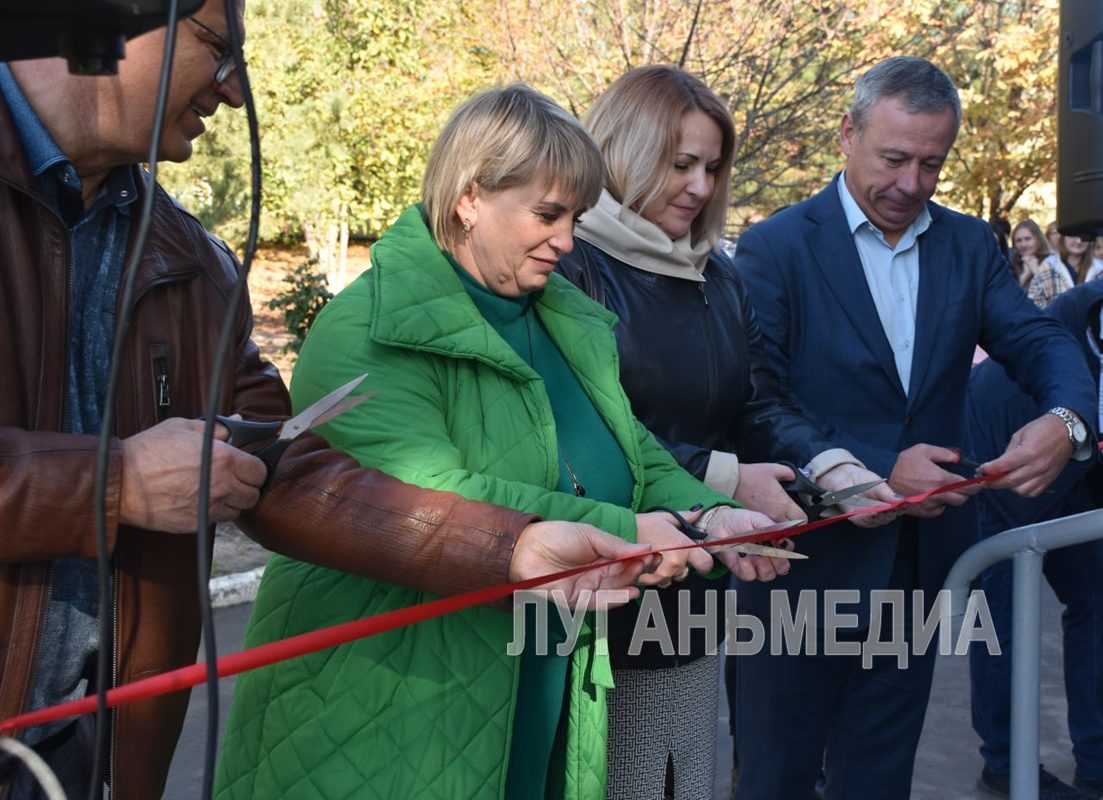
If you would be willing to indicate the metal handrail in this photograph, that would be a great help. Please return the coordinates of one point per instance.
(1027, 546)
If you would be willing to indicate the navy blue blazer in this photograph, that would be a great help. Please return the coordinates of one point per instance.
(823, 335)
(998, 408)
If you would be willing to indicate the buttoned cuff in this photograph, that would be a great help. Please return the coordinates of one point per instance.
(828, 460)
(722, 474)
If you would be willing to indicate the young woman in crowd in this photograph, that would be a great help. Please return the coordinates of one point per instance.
(1053, 236)
(497, 379)
(1059, 273)
(1030, 251)
(1045, 274)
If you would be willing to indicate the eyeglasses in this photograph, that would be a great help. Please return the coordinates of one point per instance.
(226, 63)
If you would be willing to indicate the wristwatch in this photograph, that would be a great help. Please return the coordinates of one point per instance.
(1078, 433)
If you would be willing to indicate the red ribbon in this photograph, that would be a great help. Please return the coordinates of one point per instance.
(306, 643)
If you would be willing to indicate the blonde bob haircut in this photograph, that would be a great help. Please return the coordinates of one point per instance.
(502, 138)
(637, 123)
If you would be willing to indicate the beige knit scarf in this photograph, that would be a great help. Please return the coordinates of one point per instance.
(628, 237)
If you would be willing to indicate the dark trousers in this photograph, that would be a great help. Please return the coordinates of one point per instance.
(796, 713)
(68, 753)
(1076, 575)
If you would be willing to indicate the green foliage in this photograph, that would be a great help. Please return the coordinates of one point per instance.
(1007, 73)
(351, 93)
(785, 67)
(305, 295)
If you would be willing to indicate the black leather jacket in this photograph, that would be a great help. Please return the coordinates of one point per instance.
(692, 363)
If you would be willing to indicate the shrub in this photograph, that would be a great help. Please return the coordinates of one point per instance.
(306, 294)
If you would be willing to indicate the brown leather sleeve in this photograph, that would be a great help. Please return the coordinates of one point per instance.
(327, 509)
(47, 495)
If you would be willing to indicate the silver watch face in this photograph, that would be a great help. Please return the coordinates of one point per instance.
(1079, 433)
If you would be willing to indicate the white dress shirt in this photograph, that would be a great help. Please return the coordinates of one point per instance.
(892, 274)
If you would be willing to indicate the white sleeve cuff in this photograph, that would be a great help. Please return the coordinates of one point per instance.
(722, 474)
(828, 460)
(1085, 452)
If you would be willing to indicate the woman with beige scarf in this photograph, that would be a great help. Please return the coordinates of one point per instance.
(693, 367)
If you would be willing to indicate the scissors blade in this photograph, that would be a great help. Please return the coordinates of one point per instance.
(859, 503)
(777, 528)
(310, 416)
(752, 549)
(833, 498)
(349, 403)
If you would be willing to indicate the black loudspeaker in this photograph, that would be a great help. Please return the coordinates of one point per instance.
(1080, 119)
(90, 34)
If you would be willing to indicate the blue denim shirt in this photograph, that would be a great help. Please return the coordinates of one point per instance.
(97, 242)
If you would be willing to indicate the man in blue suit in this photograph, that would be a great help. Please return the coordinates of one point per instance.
(871, 300)
(997, 408)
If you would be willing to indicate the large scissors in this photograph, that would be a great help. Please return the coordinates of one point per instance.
(748, 548)
(814, 499)
(964, 466)
(245, 432)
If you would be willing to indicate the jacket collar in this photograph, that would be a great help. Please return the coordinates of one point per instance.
(41, 150)
(14, 168)
(836, 257)
(170, 250)
(422, 305)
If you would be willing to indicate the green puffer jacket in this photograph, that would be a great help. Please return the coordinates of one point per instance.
(427, 711)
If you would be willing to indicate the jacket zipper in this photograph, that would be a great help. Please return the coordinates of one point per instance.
(49, 582)
(64, 400)
(164, 396)
(65, 421)
(163, 393)
(114, 680)
(704, 294)
(162, 389)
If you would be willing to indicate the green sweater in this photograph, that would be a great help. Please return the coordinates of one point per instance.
(427, 711)
(595, 468)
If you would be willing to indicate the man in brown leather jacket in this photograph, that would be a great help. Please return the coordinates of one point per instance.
(69, 186)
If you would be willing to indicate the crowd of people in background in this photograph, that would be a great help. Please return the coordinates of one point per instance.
(1047, 266)
(570, 369)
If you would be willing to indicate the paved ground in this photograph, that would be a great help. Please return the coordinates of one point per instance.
(947, 764)
(234, 552)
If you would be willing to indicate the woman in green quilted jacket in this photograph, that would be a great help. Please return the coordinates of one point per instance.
(497, 380)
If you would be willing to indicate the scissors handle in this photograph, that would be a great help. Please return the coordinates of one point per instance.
(684, 525)
(244, 432)
(271, 454)
(801, 484)
(808, 495)
(964, 465)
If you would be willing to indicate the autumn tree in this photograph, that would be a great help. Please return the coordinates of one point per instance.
(1006, 69)
(786, 67)
(351, 93)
